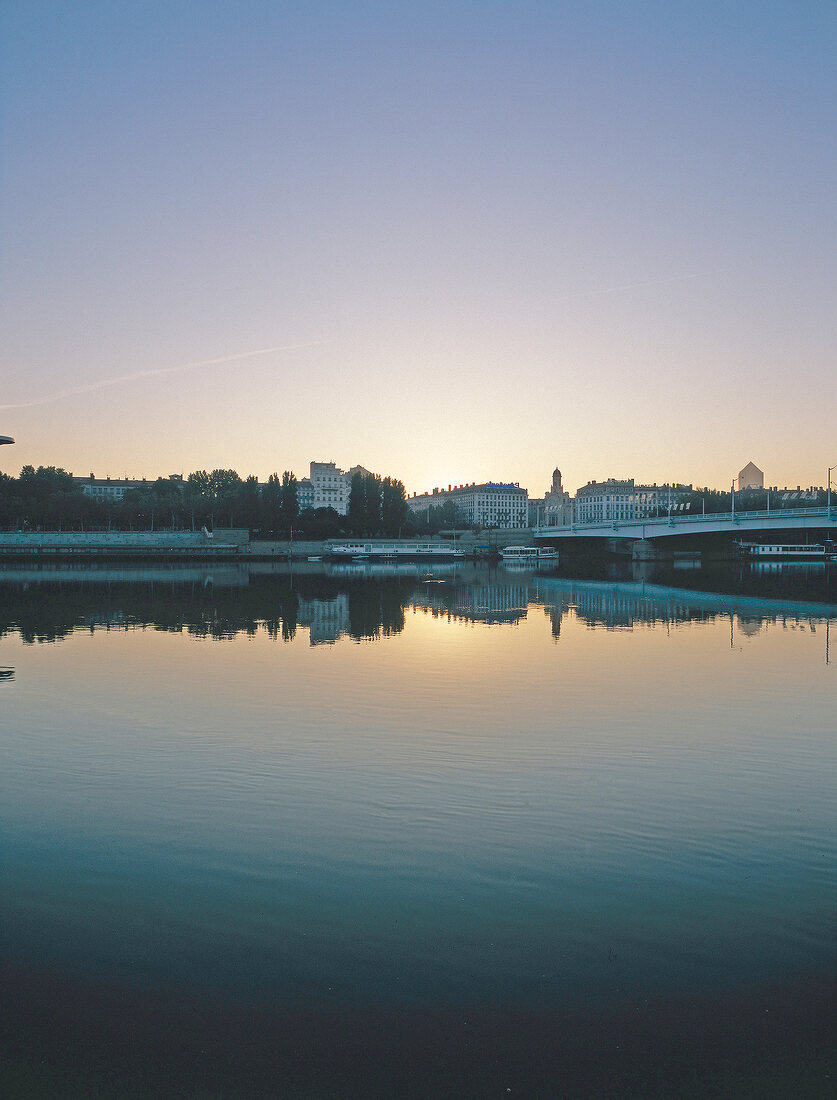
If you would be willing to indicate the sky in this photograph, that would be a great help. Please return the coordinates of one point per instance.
(456, 241)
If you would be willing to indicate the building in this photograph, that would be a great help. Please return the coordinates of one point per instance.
(304, 494)
(612, 500)
(327, 487)
(751, 477)
(557, 505)
(490, 504)
(109, 489)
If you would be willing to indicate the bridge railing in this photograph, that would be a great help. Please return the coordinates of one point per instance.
(689, 520)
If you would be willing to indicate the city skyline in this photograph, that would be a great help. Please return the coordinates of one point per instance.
(444, 242)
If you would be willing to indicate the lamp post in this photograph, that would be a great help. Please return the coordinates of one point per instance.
(830, 468)
(732, 496)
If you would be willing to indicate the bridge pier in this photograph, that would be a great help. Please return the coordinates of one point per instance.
(645, 550)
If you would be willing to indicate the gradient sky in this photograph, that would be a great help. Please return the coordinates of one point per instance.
(481, 239)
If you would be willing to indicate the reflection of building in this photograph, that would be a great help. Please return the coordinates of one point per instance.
(491, 504)
(749, 625)
(485, 603)
(326, 620)
(751, 477)
(603, 501)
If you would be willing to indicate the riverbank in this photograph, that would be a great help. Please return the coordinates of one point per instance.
(98, 545)
(236, 543)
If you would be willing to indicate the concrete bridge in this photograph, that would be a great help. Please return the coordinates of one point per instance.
(730, 523)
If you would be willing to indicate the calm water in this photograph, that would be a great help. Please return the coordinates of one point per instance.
(356, 833)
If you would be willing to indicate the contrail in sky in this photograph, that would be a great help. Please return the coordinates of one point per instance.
(103, 383)
(629, 286)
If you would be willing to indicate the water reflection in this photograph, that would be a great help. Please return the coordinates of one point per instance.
(360, 602)
(543, 829)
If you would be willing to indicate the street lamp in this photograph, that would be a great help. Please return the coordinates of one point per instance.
(732, 495)
(830, 468)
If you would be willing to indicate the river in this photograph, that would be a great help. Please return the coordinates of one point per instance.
(312, 831)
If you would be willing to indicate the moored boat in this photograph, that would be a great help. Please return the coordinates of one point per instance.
(529, 555)
(396, 551)
(802, 551)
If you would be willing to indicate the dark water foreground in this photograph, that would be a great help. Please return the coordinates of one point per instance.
(390, 833)
(77, 1039)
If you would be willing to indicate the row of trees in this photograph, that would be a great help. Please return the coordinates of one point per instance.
(48, 498)
(376, 505)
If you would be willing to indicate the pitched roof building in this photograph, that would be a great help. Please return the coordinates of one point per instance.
(751, 477)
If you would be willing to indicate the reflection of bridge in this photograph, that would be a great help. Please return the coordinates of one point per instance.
(729, 523)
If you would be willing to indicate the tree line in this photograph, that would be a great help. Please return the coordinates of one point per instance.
(50, 499)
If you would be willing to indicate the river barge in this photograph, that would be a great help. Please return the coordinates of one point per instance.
(395, 551)
(801, 551)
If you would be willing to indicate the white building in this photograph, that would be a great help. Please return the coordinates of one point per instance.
(607, 501)
(327, 487)
(491, 504)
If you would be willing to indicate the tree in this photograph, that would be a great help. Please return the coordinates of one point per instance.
(393, 506)
(49, 497)
(197, 496)
(372, 511)
(225, 487)
(272, 504)
(250, 503)
(289, 503)
(357, 504)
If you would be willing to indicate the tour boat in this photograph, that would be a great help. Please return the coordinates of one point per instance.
(812, 551)
(393, 551)
(529, 555)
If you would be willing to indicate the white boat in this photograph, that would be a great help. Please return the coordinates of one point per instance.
(804, 551)
(395, 551)
(529, 555)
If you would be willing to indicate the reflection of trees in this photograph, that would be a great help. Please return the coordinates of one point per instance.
(362, 607)
(49, 610)
(376, 608)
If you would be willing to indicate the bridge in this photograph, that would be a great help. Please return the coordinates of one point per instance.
(716, 523)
